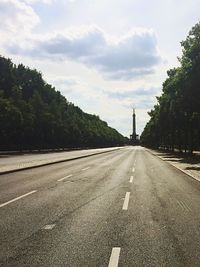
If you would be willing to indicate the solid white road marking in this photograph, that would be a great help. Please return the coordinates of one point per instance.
(85, 169)
(114, 258)
(61, 179)
(17, 198)
(126, 201)
(131, 179)
(133, 169)
(49, 226)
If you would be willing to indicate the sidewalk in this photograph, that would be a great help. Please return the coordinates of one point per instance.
(10, 163)
(188, 165)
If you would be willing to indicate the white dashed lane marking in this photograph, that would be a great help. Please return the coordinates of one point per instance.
(114, 258)
(49, 226)
(85, 169)
(61, 179)
(17, 198)
(126, 201)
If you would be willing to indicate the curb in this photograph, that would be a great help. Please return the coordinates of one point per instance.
(178, 168)
(59, 161)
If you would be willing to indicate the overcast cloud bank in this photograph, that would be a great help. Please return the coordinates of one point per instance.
(132, 55)
(89, 52)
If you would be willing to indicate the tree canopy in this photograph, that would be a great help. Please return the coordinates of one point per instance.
(33, 115)
(175, 120)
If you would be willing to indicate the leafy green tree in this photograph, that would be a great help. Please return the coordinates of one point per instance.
(176, 121)
(33, 115)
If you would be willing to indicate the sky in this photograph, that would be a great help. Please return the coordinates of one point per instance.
(105, 56)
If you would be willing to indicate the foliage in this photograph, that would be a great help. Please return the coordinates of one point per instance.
(33, 115)
(175, 121)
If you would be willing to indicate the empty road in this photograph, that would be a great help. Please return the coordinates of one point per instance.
(123, 208)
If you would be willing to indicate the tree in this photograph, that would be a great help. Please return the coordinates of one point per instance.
(34, 115)
(175, 120)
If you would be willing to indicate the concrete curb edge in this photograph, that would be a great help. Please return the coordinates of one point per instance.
(60, 161)
(185, 172)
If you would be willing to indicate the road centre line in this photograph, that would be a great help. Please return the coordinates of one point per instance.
(131, 179)
(133, 170)
(126, 201)
(114, 258)
(61, 179)
(85, 169)
(17, 198)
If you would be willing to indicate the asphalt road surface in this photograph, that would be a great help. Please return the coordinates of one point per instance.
(123, 208)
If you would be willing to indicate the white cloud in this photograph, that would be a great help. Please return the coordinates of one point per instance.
(74, 59)
(41, 1)
(127, 57)
(17, 17)
(114, 106)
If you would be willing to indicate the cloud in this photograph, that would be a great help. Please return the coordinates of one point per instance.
(66, 85)
(17, 17)
(141, 98)
(114, 106)
(35, 1)
(129, 74)
(127, 57)
(140, 92)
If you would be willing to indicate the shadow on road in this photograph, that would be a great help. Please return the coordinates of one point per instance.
(181, 158)
(193, 168)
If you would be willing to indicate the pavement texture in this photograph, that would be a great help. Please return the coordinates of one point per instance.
(10, 163)
(188, 165)
(123, 208)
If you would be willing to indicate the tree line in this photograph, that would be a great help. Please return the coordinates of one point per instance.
(33, 115)
(175, 119)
